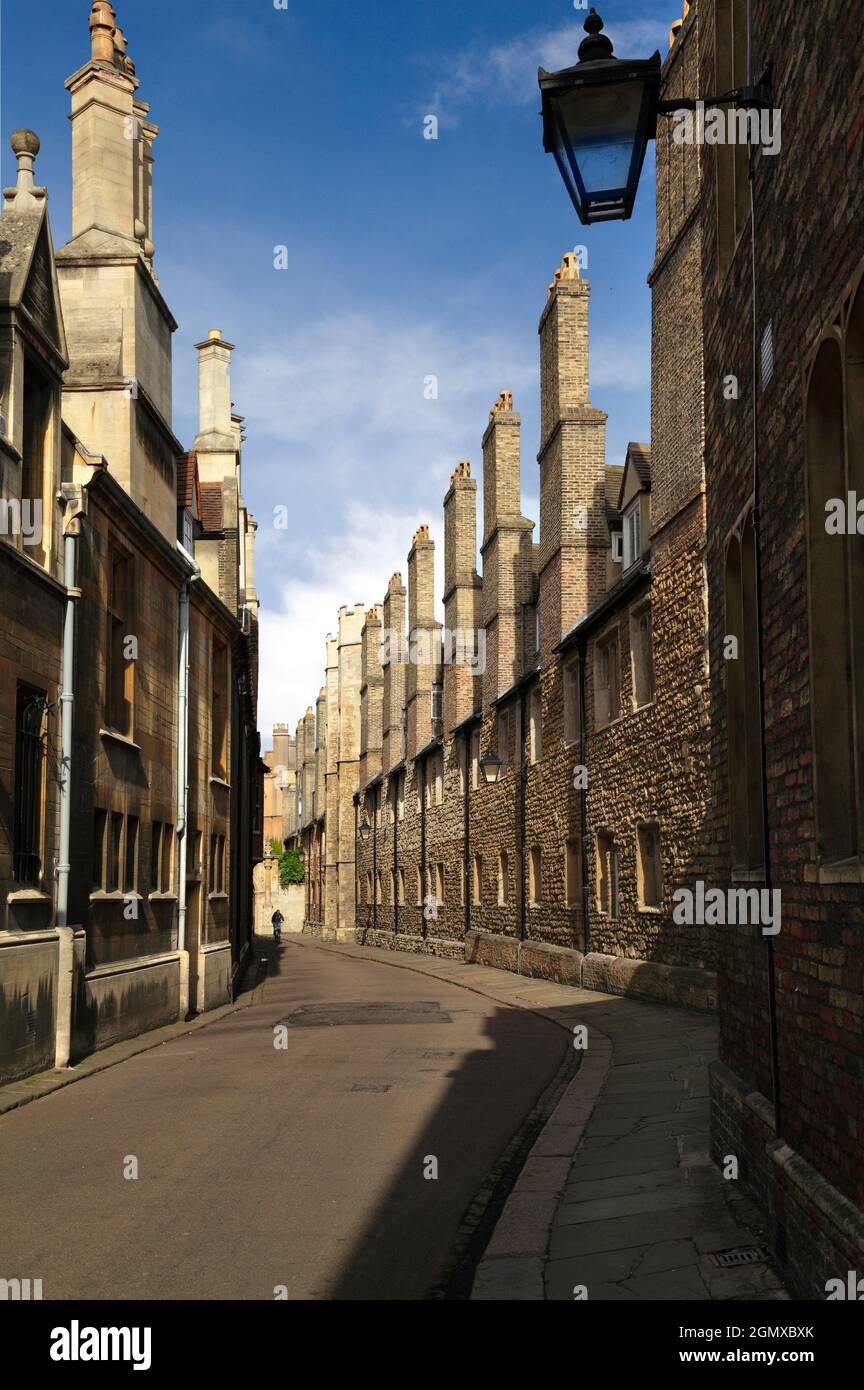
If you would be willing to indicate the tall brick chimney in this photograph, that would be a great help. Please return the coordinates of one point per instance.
(423, 640)
(507, 549)
(371, 697)
(462, 598)
(320, 750)
(572, 455)
(393, 638)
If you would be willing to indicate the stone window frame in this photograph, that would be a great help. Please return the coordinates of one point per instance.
(535, 725)
(631, 530)
(833, 417)
(535, 876)
(476, 879)
(503, 878)
(573, 873)
(601, 645)
(637, 653)
(220, 684)
(645, 830)
(120, 605)
(611, 909)
(439, 883)
(504, 737)
(572, 699)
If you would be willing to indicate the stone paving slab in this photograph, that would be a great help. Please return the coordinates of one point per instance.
(619, 1200)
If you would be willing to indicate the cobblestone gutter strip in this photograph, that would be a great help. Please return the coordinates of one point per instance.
(515, 1258)
(43, 1083)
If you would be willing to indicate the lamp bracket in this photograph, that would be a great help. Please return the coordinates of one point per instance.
(758, 98)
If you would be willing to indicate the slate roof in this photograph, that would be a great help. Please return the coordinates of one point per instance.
(19, 233)
(614, 480)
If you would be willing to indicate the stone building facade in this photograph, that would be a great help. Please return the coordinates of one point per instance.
(785, 441)
(129, 758)
(577, 663)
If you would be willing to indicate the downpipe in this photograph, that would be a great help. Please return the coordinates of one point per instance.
(65, 933)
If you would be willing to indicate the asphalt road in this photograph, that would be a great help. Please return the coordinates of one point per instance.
(261, 1166)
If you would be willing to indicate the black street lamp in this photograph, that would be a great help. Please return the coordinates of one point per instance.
(365, 827)
(599, 115)
(490, 766)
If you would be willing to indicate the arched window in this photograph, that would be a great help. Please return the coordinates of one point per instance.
(831, 676)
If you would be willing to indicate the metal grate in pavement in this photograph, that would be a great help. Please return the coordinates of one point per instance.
(740, 1255)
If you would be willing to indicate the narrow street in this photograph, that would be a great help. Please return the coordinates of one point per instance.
(261, 1166)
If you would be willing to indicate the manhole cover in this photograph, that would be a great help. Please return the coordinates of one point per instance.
(742, 1255)
(338, 1015)
(371, 1086)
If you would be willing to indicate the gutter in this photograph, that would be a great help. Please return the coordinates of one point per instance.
(583, 805)
(75, 501)
(183, 773)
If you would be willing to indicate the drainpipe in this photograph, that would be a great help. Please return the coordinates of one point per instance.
(466, 837)
(523, 780)
(76, 501)
(357, 922)
(421, 777)
(395, 800)
(183, 777)
(583, 804)
(375, 805)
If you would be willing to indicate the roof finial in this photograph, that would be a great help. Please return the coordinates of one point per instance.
(25, 196)
(596, 45)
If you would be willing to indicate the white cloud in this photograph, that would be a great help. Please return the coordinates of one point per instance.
(352, 565)
(507, 72)
(342, 438)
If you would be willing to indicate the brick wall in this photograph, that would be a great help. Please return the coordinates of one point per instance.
(809, 251)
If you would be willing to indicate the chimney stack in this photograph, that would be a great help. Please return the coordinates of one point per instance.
(465, 646)
(572, 552)
(423, 641)
(507, 549)
(216, 430)
(393, 642)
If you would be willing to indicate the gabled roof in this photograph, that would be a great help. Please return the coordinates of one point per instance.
(28, 276)
(636, 474)
(614, 475)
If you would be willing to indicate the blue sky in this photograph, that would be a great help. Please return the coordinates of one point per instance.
(406, 257)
